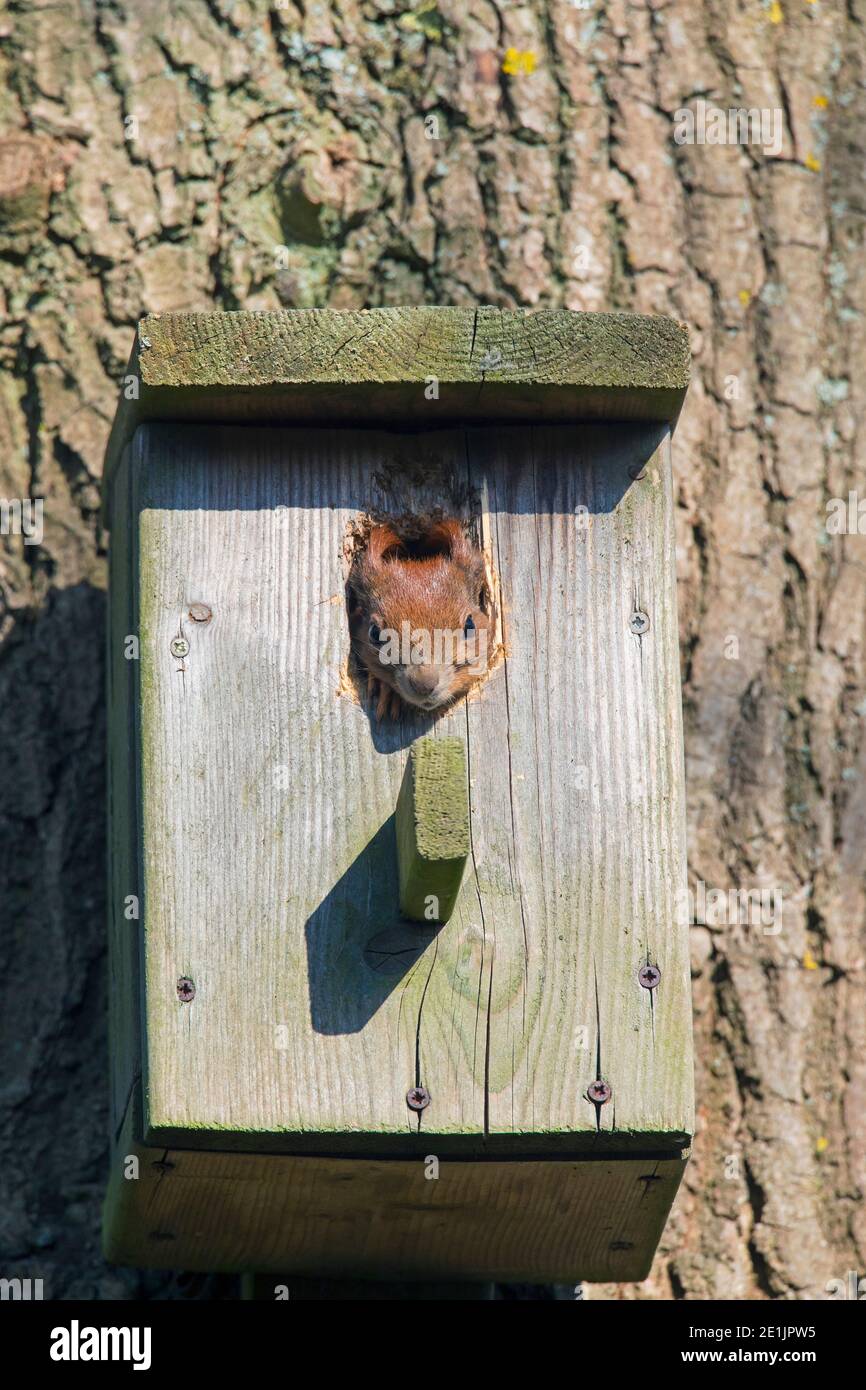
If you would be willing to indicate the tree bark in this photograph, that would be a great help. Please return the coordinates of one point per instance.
(193, 154)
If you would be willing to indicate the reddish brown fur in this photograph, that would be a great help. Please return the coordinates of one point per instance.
(435, 588)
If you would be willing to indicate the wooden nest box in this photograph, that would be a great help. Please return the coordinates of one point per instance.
(303, 1080)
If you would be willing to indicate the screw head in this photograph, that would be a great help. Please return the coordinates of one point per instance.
(200, 613)
(636, 471)
(185, 990)
(638, 623)
(418, 1098)
(179, 646)
(598, 1092)
(649, 976)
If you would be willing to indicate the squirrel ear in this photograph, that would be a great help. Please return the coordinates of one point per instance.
(383, 543)
(450, 535)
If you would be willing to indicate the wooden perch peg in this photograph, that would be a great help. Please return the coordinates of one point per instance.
(432, 829)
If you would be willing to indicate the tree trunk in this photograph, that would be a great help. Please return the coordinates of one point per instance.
(192, 154)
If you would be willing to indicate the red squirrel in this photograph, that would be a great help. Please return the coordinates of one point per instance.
(420, 617)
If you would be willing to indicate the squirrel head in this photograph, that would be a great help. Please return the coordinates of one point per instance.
(421, 621)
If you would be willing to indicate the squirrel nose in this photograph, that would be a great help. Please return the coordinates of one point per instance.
(423, 679)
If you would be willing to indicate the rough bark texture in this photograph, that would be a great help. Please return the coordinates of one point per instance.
(280, 156)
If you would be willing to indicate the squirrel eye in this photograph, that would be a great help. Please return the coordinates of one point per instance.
(375, 634)
(468, 626)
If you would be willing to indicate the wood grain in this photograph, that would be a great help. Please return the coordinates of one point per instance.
(268, 798)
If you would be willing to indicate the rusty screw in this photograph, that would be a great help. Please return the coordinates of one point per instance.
(185, 990)
(649, 976)
(179, 647)
(598, 1092)
(200, 613)
(638, 623)
(418, 1098)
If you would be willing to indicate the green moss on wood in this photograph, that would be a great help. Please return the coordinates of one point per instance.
(363, 347)
(432, 829)
(441, 805)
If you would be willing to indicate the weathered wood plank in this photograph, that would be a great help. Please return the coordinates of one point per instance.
(432, 829)
(421, 367)
(592, 777)
(544, 1221)
(268, 804)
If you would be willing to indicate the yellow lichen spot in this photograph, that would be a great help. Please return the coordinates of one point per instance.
(820, 101)
(515, 61)
(812, 163)
(744, 296)
(809, 960)
(776, 13)
(821, 1143)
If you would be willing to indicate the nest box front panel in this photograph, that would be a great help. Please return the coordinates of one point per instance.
(284, 999)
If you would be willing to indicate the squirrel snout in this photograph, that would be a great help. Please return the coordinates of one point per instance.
(423, 681)
(427, 687)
